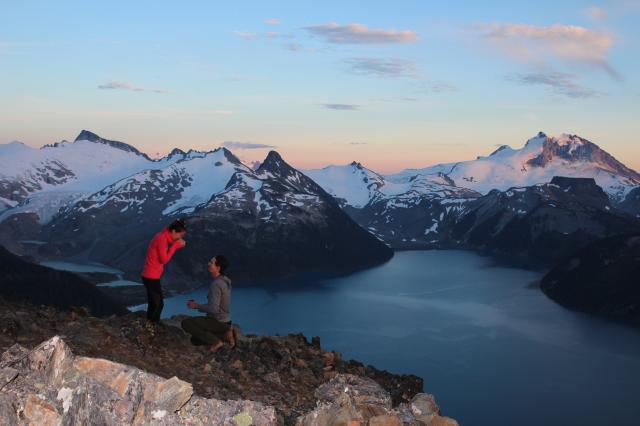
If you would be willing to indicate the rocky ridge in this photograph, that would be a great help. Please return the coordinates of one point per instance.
(100, 370)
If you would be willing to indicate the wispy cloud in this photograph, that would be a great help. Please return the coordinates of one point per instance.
(124, 85)
(342, 107)
(246, 145)
(596, 13)
(383, 68)
(358, 143)
(360, 34)
(432, 86)
(245, 35)
(294, 47)
(396, 99)
(558, 82)
(539, 44)
(272, 21)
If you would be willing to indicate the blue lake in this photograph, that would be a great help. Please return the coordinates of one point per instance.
(491, 346)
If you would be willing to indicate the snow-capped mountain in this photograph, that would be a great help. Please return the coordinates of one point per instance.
(271, 221)
(65, 170)
(541, 158)
(418, 216)
(404, 212)
(352, 185)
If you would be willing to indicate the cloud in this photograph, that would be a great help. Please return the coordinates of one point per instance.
(342, 107)
(294, 47)
(273, 34)
(383, 68)
(559, 82)
(358, 143)
(596, 13)
(397, 99)
(124, 85)
(360, 34)
(272, 21)
(437, 86)
(245, 145)
(539, 44)
(246, 35)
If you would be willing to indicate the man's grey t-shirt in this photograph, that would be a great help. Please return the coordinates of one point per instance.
(219, 299)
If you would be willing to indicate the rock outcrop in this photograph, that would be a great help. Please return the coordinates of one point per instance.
(352, 400)
(117, 358)
(50, 386)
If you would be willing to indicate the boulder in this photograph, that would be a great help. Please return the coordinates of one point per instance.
(81, 390)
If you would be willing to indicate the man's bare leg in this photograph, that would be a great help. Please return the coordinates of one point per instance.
(216, 346)
(231, 338)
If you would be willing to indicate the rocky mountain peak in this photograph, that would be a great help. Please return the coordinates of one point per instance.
(500, 148)
(537, 139)
(275, 164)
(574, 149)
(230, 157)
(86, 135)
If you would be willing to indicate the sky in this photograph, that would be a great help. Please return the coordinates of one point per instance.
(392, 85)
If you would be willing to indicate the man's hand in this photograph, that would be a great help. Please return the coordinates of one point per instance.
(181, 243)
(191, 304)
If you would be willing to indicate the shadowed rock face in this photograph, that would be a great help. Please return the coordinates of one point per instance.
(278, 371)
(21, 280)
(631, 203)
(542, 223)
(602, 278)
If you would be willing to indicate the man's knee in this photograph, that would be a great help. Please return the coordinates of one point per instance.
(187, 324)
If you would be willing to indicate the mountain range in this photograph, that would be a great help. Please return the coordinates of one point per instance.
(432, 207)
(101, 200)
(272, 221)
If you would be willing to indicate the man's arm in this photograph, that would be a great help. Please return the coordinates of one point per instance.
(214, 297)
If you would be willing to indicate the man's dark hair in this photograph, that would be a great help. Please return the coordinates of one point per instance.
(222, 262)
(178, 225)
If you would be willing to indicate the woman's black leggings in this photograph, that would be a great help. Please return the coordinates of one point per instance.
(155, 302)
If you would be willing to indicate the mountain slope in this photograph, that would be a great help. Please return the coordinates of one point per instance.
(543, 223)
(24, 281)
(631, 203)
(352, 185)
(419, 217)
(602, 278)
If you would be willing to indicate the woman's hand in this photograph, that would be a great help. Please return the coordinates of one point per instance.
(181, 243)
(191, 304)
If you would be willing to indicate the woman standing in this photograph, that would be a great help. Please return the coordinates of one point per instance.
(161, 249)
